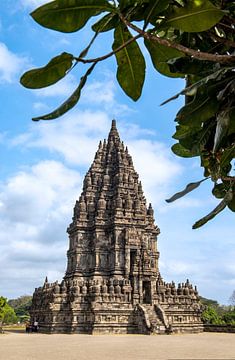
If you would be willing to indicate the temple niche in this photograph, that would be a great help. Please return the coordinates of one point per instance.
(112, 282)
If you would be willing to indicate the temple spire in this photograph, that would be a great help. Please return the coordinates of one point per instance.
(113, 134)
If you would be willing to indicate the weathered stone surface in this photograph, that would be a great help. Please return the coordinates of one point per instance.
(112, 282)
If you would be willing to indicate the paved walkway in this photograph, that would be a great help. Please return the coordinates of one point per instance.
(21, 346)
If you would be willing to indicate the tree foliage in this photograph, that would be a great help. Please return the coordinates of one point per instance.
(21, 305)
(232, 299)
(192, 39)
(210, 316)
(7, 313)
(217, 314)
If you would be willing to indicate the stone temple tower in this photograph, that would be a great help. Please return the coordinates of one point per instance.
(112, 282)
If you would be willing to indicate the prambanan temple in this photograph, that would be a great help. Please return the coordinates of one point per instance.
(112, 283)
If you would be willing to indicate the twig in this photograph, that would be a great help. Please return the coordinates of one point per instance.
(101, 58)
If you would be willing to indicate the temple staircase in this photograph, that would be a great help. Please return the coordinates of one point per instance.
(154, 319)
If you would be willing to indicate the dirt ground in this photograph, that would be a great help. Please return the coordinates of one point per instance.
(17, 346)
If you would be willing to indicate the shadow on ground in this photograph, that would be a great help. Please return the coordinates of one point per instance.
(14, 331)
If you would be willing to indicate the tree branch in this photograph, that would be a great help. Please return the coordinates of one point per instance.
(101, 58)
(223, 59)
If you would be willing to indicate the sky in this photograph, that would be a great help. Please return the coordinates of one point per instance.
(42, 164)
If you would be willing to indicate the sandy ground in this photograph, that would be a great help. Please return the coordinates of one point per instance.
(17, 346)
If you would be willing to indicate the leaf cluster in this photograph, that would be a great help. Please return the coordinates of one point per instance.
(21, 305)
(192, 39)
(7, 313)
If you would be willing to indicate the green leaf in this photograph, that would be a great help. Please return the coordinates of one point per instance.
(211, 215)
(195, 16)
(197, 111)
(190, 187)
(227, 156)
(192, 89)
(131, 63)
(183, 131)
(106, 23)
(181, 151)
(227, 199)
(153, 9)
(54, 71)
(70, 102)
(69, 15)
(219, 191)
(160, 55)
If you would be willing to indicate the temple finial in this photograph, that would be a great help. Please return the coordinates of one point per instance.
(114, 127)
(113, 134)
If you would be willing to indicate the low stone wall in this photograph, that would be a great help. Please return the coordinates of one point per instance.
(219, 328)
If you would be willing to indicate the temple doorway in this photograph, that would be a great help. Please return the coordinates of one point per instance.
(147, 299)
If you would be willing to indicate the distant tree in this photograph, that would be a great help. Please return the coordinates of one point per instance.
(7, 313)
(229, 317)
(3, 302)
(192, 39)
(21, 305)
(232, 298)
(209, 302)
(210, 316)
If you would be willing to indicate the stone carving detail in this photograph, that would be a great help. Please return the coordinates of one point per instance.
(112, 282)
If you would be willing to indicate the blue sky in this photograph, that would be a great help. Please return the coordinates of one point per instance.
(42, 164)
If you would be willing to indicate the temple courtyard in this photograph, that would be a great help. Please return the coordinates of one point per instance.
(17, 346)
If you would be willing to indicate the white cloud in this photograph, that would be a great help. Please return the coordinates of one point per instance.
(31, 194)
(156, 166)
(102, 93)
(40, 106)
(76, 137)
(11, 64)
(35, 209)
(99, 92)
(32, 3)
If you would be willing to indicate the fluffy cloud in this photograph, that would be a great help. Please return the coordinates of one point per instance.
(76, 138)
(32, 3)
(29, 195)
(156, 166)
(35, 209)
(11, 64)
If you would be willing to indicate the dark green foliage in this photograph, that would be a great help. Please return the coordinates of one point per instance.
(210, 316)
(217, 314)
(69, 15)
(191, 39)
(229, 317)
(160, 56)
(7, 313)
(131, 63)
(190, 187)
(195, 16)
(21, 305)
(54, 71)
